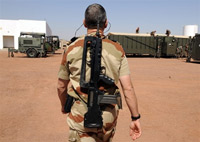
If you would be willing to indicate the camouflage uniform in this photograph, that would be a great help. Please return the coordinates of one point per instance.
(114, 65)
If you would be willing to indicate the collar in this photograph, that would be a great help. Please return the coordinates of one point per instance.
(94, 34)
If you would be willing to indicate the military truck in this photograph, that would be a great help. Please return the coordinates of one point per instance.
(194, 49)
(35, 45)
(52, 43)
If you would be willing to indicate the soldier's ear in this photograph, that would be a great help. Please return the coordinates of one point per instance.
(84, 23)
(106, 23)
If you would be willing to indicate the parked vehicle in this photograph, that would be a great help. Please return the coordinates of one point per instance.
(35, 45)
(194, 49)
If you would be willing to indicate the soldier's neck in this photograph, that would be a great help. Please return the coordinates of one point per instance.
(89, 31)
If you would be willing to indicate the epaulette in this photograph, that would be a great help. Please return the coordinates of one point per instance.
(72, 40)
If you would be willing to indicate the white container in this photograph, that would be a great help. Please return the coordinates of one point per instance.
(190, 30)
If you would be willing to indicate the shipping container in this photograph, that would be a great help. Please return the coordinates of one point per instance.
(194, 49)
(158, 45)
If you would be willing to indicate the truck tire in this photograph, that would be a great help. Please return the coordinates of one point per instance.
(32, 53)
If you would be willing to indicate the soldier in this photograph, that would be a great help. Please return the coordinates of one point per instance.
(168, 32)
(186, 50)
(115, 65)
(153, 33)
(137, 30)
(179, 52)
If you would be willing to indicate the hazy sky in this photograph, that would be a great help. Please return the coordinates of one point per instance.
(65, 16)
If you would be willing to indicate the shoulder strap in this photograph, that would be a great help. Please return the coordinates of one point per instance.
(79, 96)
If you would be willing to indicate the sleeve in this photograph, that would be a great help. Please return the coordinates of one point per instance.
(63, 72)
(124, 68)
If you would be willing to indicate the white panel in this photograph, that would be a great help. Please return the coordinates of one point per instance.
(190, 30)
(32, 26)
(48, 30)
(9, 27)
(8, 41)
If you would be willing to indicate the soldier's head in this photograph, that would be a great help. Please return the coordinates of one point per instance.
(93, 14)
(168, 32)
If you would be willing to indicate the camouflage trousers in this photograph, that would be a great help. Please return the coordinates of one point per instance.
(78, 133)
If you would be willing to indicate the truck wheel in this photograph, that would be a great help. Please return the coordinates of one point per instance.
(32, 53)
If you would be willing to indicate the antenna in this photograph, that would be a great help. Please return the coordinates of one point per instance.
(108, 28)
(97, 33)
(78, 29)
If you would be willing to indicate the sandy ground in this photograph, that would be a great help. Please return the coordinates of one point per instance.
(168, 92)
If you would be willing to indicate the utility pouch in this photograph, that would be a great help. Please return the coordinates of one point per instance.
(69, 103)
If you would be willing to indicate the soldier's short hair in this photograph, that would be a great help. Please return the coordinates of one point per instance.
(93, 13)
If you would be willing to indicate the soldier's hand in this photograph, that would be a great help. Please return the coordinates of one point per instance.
(135, 129)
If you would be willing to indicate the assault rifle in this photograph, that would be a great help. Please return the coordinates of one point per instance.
(93, 117)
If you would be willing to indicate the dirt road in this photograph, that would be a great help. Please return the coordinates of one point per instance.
(168, 92)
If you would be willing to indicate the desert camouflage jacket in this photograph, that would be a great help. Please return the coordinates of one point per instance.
(113, 62)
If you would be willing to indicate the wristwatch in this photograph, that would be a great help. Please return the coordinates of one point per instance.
(135, 118)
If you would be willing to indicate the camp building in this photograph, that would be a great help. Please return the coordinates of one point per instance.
(10, 31)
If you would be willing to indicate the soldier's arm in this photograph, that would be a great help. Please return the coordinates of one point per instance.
(62, 92)
(129, 94)
(131, 100)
